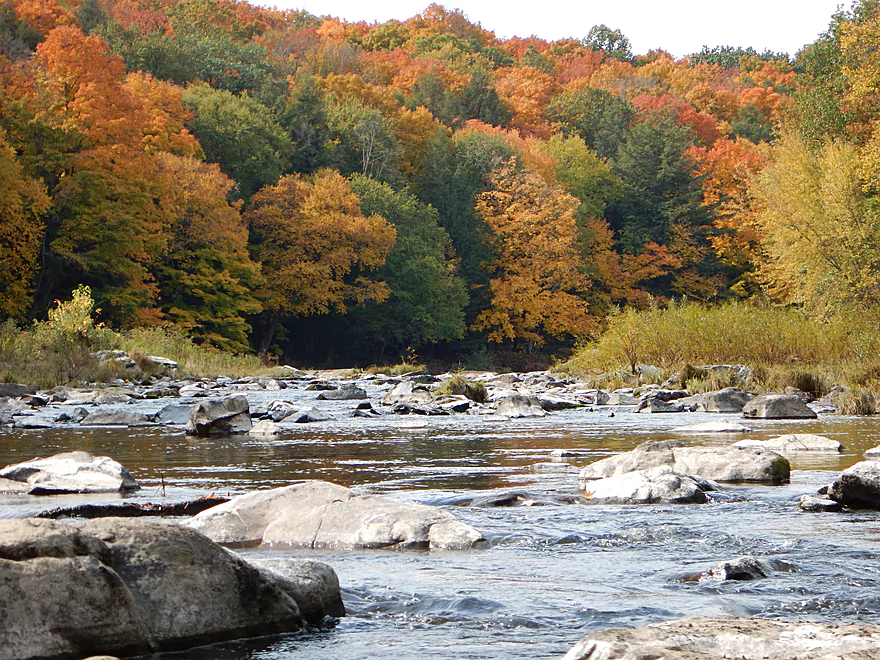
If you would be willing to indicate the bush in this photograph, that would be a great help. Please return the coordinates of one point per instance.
(458, 384)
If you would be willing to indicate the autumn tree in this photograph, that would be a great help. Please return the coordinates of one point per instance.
(316, 248)
(601, 119)
(537, 283)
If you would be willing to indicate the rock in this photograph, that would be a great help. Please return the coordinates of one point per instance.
(318, 514)
(655, 485)
(71, 472)
(655, 405)
(320, 386)
(270, 384)
(647, 371)
(162, 392)
(622, 398)
(308, 415)
(455, 403)
(280, 410)
(518, 405)
(134, 509)
(133, 587)
(113, 396)
(348, 392)
(714, 427)
(873, 453)
(554, 403)
(173, 413)
(220, 417)
(806, 397)
(314, 585)
(161, 362)
(14, 390)
(727, 400)
(726, 464)
(266, 428)
(116, 418)
(813, 504)
(408, 394)
(703, 638)
(777, 406)
(794, 442)
(857, 487)
(34, 422)
(13, 405)
(742, 569)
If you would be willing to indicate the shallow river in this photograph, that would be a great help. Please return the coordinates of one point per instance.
(553, 573)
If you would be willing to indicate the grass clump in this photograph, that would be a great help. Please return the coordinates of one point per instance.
(400, 369)
(459, 384)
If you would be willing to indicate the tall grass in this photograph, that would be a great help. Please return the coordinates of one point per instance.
(783, 346)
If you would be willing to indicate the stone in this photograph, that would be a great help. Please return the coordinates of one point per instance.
(319, 514)
(655, 405)
(653, 486)
(116, 418)
(714, 427)
(741, 569)
(314, 585)
(133, 587)
(407, 393)
(518, 405)
(349, 392)
(622, 398)
(34, 422)
(454, 403)
(15, 390)
(794, 442)
(161, 362)
(725, 464)
(553, 403)
(814, 504)
(777, 406)
(703, 638)
(220, 417)
(307, 415)
(113, 396)
(727, 400)
(265, 428)
(173, 413)
(71, 472)
(873, 453)
(858, 487)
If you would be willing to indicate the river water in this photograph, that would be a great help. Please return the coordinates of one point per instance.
(553, 573)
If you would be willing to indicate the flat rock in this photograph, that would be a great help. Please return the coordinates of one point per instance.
(33, 422)
(794, 442)
(703, 638)
(777, 406)
(659, 485)
(227, 416)
(116, 418)
(71, 472)
(173, 413)
(15, 390)
(858, 486)
(816, 504)
(714, 427)
(265, 427)
(408, 393)
(727, 400)
(349, 392)
(726, 464)
(518, 405)
(319, 514)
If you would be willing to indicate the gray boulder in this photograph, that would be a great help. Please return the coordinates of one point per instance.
(858, 486)
(265, 428)
(794, 442)
(777, 406)
(71, 472)
(173, 413)
(318, 514)
(654, 404)
(703, 638)
(726, 464)
(655, 485)
(622, 398)
(220, 417)
(518, 405)
(727, 400)
(349, 392)
(136, 586)
(817, 504)
(743, 568)
(15, 390)
(409, 394)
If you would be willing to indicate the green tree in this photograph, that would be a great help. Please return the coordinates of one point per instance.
(363, 141)
(597, 116)
(612, 42)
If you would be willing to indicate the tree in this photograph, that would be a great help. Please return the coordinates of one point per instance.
(364, 141)
(820, 235)
(426, 298)
(316, 248)
(612, 42)
(584, 175)
(241, 135)
(601, 119)
(22, 202)
(206, 276)
(537, 280)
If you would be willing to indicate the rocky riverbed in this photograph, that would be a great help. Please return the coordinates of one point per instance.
(552, 571)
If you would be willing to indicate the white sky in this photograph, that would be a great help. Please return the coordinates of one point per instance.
(680, 27)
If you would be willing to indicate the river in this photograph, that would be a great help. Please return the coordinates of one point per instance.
(553, 573)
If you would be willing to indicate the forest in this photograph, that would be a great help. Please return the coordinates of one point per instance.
(340, 193)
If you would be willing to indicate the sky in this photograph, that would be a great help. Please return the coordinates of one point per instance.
(679, 27)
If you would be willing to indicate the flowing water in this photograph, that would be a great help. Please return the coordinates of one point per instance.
(554, 572)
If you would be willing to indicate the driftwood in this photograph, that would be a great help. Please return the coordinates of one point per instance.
(133, 510)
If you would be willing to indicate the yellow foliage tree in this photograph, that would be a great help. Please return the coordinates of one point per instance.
(538, 279)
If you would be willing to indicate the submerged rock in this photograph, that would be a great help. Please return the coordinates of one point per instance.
(220, 417)
(703, 638)
(319, 514)
(794, 442)
(70, 472)
(659, 485)
(727, 464)
(741, 569)
(134, 587)
(777, 406)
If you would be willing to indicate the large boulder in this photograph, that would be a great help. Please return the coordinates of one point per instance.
(655, 485)
(70, 472)
(703, 638)
(858, 486)
(220, 417)
(518, 405)
(127, 587)
(727, 400)
(794, 442)
(348, 392)
(728, 464)
(409, 394)
(318, 514)
(778, 406)
(15, 390)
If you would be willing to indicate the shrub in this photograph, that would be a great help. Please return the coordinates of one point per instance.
(458, 384)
